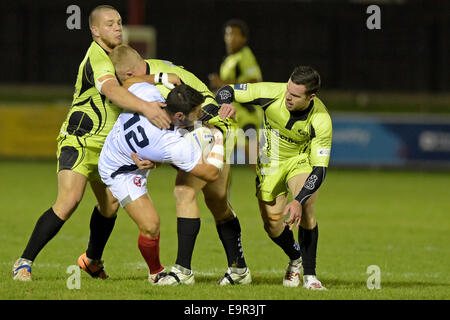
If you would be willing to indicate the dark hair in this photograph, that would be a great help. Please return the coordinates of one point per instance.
(183, 98)
(308, 77)
(240, 24)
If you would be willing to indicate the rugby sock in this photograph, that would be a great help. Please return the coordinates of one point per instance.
(308, 242)
(149, 248)
(101, 228)
(230, 235)
(287, 242)
(187, 230)
(45, 229)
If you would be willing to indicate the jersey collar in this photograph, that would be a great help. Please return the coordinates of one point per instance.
(147, 71)
(298, 116)
(107, 53)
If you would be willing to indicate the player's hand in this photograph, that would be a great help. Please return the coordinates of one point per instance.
(155, 113)
(173, 79)
(143, 164)
(295, 209)
(227, 110)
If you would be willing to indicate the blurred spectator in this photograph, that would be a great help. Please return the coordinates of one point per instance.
(239, 66)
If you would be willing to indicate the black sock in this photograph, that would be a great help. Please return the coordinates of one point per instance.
(101, 228)
(287, 242)
(45, 229)
(230, 235)
(187, 230)
(308, 243)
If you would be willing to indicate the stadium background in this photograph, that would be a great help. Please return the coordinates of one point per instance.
(403, 67)
(387, 90)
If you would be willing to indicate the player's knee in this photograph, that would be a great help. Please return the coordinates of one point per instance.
(150, 229)
(273, 225)
(184, 194)
(273, 230)
(110, 208)
(217, 204)
(216, 196)
(223, 215)
(308, 220)
(65, 206)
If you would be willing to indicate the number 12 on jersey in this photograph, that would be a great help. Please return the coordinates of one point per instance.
(132, 135)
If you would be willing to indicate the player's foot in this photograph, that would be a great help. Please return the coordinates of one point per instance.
(178, 275)
(22, 269)
(93, 267)
(154, 278)
(292, 277)
(312, 283)
(233, 276)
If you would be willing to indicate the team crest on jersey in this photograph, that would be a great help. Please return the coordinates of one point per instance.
(242, 86)
(224, 95)
(137, 181)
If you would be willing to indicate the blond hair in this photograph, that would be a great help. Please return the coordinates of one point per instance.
(95, 11)
(124, 59)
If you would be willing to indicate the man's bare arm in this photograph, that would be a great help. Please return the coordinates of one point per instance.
(122, 97)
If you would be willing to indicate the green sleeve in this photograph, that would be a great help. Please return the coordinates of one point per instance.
(102, 67)
(260, 93)
(187, 77)
(249, 68)
(321, 142)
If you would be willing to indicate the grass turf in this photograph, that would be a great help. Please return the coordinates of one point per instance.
(397, 220)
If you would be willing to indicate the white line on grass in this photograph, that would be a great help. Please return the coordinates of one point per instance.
(221, 271)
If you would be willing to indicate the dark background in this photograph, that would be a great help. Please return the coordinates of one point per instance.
(411, 52)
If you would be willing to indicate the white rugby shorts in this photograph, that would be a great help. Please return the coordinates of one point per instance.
(126, 187)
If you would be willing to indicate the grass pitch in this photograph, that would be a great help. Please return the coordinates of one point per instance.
(396, 220)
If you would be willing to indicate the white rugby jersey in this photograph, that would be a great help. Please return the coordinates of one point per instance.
(133, 132)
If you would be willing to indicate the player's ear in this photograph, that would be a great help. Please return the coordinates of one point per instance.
(180, 116)
(312, 96)
(94, 31)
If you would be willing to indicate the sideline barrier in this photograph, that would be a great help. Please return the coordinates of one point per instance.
(359, 140)
(392, 140)
(30, 130)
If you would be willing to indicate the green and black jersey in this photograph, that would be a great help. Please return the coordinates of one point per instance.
(210, 108)
(240, 67)
(91, 115)
(289, 134)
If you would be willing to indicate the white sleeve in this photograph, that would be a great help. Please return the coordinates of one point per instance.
(182, 154)
(146, 92)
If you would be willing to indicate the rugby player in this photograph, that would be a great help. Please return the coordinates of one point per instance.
(129, 63)
(133, 133)
(295, 155)
(240, 66)
(94, 110)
